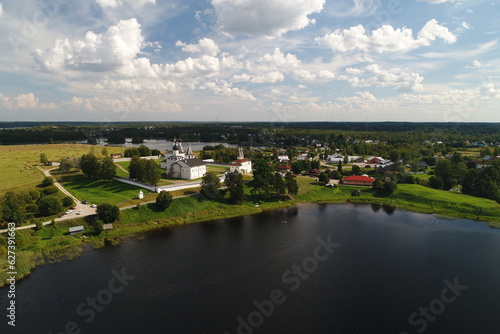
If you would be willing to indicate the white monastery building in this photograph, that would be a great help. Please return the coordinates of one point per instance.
(180, 165)
(241, 165)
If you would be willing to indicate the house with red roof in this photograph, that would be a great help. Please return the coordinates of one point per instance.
(358, 180)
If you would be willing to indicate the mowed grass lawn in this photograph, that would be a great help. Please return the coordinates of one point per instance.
(97, 191)
(17, 162)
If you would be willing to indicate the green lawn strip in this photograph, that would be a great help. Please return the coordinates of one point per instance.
(97, 191)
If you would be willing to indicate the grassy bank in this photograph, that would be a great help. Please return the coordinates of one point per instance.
(53, 244)
(408, 196)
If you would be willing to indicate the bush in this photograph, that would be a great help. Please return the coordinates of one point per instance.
(67, 201)
(164, 200)
(50, 190)
(47, 181)
(108, 213)
(48, 206)
(390, 186)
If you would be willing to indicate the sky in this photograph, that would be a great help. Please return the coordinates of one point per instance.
(250, 60)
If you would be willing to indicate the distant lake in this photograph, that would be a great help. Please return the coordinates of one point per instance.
(388, 265)
(159, 144)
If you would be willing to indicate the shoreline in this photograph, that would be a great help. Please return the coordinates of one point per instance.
(128, 228)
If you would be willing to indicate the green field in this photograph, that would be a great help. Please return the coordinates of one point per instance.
(97, 191)
(17, 162)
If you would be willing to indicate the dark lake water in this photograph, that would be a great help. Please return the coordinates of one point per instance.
(258, 274)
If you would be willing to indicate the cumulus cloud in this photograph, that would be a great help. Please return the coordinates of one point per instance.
(119, 3)
(115, 48)
(264, 17)
(386, 38)
(224, 88)
(435, 2)
(477, 64)
(375, 75)
(1, 9)
(204, 46)
(352, 8)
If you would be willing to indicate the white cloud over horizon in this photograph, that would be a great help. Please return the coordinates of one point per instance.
(248, 60)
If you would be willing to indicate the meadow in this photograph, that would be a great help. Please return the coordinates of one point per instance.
(18, 162)
(99, 191)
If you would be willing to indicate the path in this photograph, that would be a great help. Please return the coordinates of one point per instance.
(122, 168)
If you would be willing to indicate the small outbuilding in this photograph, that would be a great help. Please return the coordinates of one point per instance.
(75, 229)
(140, 195)
(106, 227)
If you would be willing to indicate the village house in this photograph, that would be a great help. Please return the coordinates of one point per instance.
(303, 157)
(335, 158)
(284, 168)
(283, 158)
(374, 160)
(116, 155)
(358, 180)
(355, 159)
(387, 166)
(53, 163)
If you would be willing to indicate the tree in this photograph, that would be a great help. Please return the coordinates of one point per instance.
(297, 167)
(390, 186)
(155, 151)
(12, 207)
(107, 171)
(152, 172)
(378, 184)
(90, 166)
(234, 182)
(48, 206)
(50, 190)
(47, 181)
(136, 168)
(436, 182)
(278, 185)
(104, 152)
(67, 201)
(65, 165)
(137, 140)
(210, 184)
(43, 159)
(323, 178)
(144, 151)
(39, 224)
(291, 185)
(164, 200)
(108, 212)
(98, 226)
(262, 178)
(356, 170)
(130, 152)
(339, 167)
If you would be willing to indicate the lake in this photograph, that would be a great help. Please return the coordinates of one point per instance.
(160, 144)
(336, 268)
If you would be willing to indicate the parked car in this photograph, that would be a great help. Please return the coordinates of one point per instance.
(73, 207)
(93, 206)
(79, 212)
(69, 211)
(84, 202)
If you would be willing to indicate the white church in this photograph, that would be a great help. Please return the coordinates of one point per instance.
(180, 165)
(241, 165)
